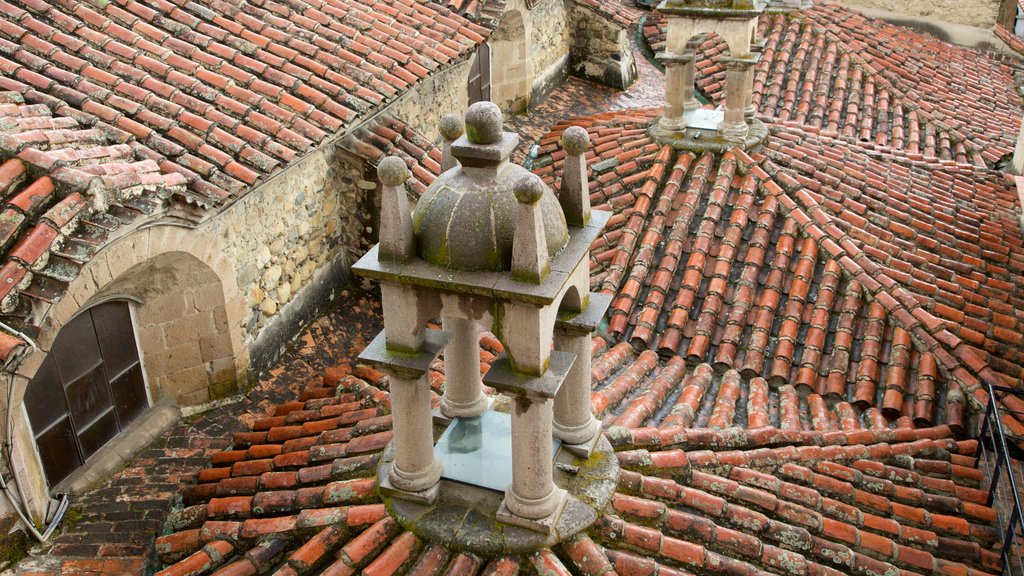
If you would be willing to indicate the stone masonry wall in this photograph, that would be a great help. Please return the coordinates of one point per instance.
(551, 41)
(305, 220)
(294, 238)
(600, 49)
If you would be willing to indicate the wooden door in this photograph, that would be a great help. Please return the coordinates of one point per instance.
(87, 390)
(480, 75)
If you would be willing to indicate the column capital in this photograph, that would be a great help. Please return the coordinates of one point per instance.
(675, 58)
(406, 364)
(741, 63)
(589, 319)
(503, 378)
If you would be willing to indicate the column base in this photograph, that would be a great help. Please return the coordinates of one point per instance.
(473, 409)
(416, 481)
(544, 524)
(676, 124)
(691, 106)
(423, 496)
(733, 132)
(579, 440)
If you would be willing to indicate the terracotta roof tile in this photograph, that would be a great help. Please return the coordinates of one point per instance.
(799, 272)
(66, 188)
(831, 69)
(740, 501)
(160, 73)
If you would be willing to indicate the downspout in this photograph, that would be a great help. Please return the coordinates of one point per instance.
(18, 502)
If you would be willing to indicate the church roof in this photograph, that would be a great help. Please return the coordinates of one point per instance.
(296, 494)
(68, 189)
(224, 93)
(883, 86)
(871, 280)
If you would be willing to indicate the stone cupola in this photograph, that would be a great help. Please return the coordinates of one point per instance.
(490, 247)
(465, 219)
(684, 120)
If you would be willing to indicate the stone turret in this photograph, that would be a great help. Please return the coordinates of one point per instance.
(685, 122)
(489, 246)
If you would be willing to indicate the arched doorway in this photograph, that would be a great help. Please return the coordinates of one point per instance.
(88, 389)
(479, 83)
(511, 74)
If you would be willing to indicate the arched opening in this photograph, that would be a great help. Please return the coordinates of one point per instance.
(511, 76)
(572, 301)
(479, 83)
(88, 389)
(184, 319)
(183, 328)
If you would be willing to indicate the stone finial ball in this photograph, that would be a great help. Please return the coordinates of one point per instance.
(392, 171)
(450, 127)
(484, 123)
(529, 188)
(575, 140)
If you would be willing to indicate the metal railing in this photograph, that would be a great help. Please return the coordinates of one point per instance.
(1006, 473)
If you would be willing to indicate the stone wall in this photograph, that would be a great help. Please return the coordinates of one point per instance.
(600, 49)
(295, 237)
(551, 40)
(290, 238)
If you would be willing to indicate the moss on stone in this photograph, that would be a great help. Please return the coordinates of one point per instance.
(14, 544)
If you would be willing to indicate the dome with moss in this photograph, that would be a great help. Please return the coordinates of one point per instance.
(466, 219)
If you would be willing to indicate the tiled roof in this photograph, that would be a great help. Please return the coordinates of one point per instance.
(485, 12)
(224, 93)
(67, 191)
(868, 81)
(927, 294)
(389, 136)
(296, 496)
(880, 283)
(1016, 43)
(619, 12)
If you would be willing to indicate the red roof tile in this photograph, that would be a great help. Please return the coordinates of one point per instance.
(743, 502)
(871, 282)
(66, 189)
(223, 93)
(832, 69)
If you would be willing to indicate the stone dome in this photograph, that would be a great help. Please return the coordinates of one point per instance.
(466, 219)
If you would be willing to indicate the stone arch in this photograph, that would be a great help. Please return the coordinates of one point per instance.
(572, 300)
(737, 34)
(511, 73)
(188, 320)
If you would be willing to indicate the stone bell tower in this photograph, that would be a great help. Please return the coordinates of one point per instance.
(684, 120)
(489, 246)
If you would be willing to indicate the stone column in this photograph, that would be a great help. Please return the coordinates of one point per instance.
(748, 96)
(757, 49)
(533, 494)
(690, 102)
(532, 499)
(416, 468)
(679, 89)
(574, 422)
(574, 416)
(463, 397)
(415, 471)
(734, 126)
